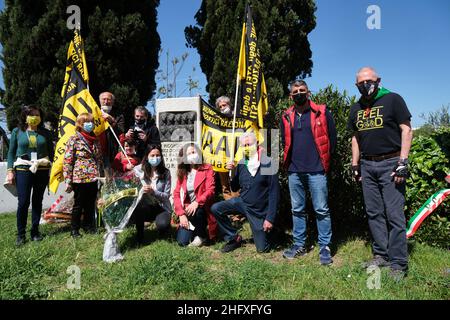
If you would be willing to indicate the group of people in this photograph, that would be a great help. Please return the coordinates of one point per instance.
(381, 139)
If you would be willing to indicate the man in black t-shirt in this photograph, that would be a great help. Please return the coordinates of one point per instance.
(382, 135)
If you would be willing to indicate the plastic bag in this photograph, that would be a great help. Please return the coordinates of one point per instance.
(118, 200)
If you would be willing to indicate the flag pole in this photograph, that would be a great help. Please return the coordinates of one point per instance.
(120, 145)
(233, 140)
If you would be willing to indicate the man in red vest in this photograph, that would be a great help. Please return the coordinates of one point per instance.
(308, 135)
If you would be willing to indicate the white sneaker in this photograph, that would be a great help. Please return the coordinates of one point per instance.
(197, 242)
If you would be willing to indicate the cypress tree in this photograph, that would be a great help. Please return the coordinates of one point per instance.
(282, 28)
(121, 45)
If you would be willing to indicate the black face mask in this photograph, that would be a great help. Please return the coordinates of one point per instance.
(368, 89)
(300, 98)
(140, 121)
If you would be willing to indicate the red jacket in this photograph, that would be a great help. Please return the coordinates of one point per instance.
(120, 162)
(204, 188)
(319, 128)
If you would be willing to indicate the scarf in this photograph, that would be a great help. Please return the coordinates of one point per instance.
(90, 139)
(368, 104)
(253, 164)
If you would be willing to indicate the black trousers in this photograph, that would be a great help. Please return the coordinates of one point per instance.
(148, 213)
(85, 195)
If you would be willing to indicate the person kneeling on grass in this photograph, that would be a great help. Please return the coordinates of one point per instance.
(258, 200)
(155, 204)
(81, 167)
(193, 196)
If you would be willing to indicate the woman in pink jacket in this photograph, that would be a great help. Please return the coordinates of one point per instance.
(193, 197)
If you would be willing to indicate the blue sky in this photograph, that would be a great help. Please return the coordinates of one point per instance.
(411, 51)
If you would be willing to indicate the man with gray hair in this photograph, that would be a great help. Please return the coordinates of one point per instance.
(117, 122)
(382, 136)
(143, 131)
(223, 104)
(257, 180)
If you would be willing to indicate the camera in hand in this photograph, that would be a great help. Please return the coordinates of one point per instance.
(136, 132)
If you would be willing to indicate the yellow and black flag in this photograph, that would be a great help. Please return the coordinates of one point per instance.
(76, 100)
(217, 136)
(75, 59)
(253, 104)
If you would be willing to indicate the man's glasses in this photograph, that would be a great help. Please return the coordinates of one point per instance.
(366, 82)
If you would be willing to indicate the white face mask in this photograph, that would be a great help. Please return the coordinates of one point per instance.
(193, 158)
(227, 110)
(106, 109)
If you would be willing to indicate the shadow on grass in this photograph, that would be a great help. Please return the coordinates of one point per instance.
(150, 236)
(56, 229)
(353, 228)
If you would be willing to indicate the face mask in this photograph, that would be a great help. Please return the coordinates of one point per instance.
(368, 88)
(227, 110)
(88, 127)
(249, 151)
(154, 161)
(193, 158)
(300, 98)
(106, 109)
(33, 120)
(140, 121)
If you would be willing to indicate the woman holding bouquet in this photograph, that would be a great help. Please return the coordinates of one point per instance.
(193, 197)
(155, 203)
(81, 167)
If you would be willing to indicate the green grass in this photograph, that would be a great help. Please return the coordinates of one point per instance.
(163, 270)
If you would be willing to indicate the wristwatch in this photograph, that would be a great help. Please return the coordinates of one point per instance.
(403, 161)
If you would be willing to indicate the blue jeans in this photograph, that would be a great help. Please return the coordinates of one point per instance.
(385, 201)
(198, 220)
(316, 183)
(222, 209)
(26, 181)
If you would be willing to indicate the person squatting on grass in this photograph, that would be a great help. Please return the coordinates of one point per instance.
(308, 134)
(81, 168)
(382, 136)
(258, 200)
(29, 154)
(193, 197)
(158, 186)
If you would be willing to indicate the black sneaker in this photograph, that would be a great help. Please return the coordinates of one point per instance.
(232, 245)
(139, 241)
(377, 261)
(37, 237)
(75, 234)
(325, 256)
(397, 275)
(294, 251)
(20, 241)
(90, 230)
